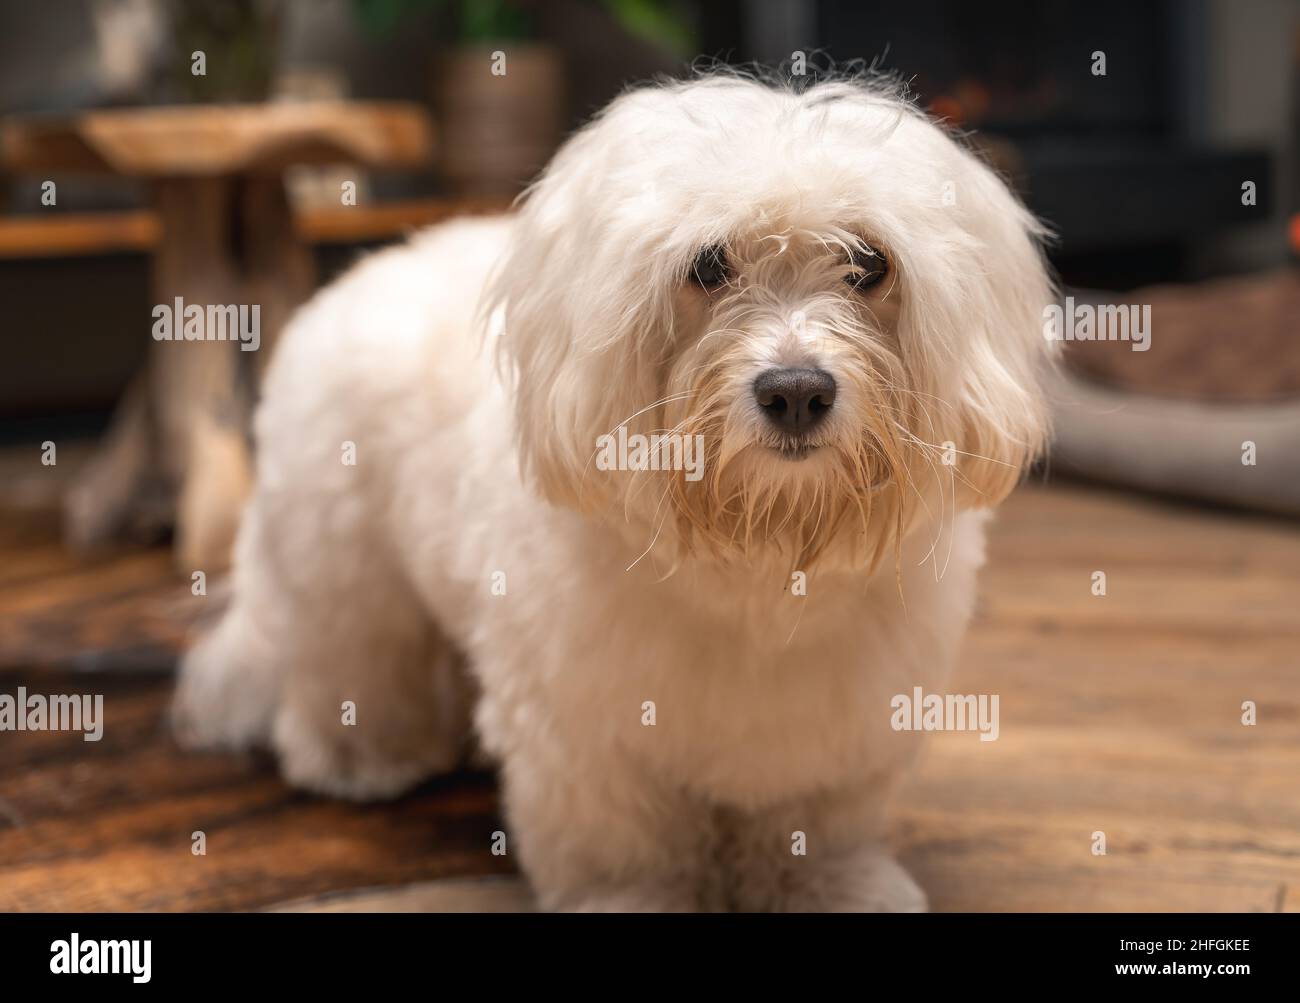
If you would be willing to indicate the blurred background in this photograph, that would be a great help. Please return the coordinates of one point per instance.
(1140, 170)
(246, 151)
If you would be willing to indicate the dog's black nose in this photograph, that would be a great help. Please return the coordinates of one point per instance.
(795, 400)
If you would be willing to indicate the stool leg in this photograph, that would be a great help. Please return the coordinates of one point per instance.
(107, 497)
(201, 408)
(278, 268)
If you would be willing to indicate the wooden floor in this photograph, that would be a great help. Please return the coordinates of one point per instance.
(1118, 714)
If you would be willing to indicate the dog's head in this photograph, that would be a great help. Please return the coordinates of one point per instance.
(827, 311)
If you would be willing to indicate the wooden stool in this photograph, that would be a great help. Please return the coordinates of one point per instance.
(178, 447)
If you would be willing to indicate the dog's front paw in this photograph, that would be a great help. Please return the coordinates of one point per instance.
(869, 882)
(319, 754)
(224, 699)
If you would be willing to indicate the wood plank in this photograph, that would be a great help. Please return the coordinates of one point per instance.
(138, 231)
(961, 889)
(471, 895)
(107, 825)
(62, 235)
(384, 221)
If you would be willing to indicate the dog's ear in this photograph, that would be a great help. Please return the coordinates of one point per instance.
(976, 326)
(583, 301)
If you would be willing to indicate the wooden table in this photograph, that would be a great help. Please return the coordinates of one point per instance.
(178, 448)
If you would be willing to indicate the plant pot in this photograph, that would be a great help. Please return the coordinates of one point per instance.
(498, 129)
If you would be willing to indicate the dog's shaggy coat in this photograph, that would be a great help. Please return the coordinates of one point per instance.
(686, 682)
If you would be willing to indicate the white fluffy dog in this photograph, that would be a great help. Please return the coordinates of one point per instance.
(685, 673)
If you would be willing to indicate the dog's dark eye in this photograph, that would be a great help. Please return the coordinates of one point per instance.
(709, 269)
(869, 266)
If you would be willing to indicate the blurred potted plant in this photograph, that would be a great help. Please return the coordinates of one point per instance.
(499, 98)
(498, 91)
(237, 41)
